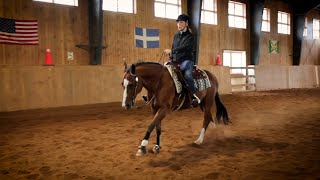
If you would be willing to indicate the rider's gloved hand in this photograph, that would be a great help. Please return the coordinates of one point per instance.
(168, 51)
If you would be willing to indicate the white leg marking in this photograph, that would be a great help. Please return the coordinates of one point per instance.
(125, 84)
(144, 142)
(201, 136)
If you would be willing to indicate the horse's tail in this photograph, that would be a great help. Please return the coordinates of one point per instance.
(221, 110)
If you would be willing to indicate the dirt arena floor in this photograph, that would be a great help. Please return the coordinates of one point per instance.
(274, 135)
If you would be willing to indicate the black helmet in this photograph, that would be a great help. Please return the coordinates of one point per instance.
(183, 17)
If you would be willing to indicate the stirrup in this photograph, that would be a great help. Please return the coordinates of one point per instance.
(194, 96)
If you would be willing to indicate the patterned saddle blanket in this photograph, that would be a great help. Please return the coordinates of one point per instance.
(201, 80)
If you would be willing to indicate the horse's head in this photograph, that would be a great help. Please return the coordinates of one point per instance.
(132, 85)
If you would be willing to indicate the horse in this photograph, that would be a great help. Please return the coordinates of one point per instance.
(156, 79)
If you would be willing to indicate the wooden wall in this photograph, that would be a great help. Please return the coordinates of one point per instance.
(270, 77)
(310, 53)
(285, 41)
(216, 38)
(61, 28)
(31, 87)
(311, 47)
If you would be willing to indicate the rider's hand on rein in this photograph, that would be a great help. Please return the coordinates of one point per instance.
(167, 51)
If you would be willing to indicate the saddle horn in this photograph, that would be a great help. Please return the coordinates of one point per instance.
(125, 66)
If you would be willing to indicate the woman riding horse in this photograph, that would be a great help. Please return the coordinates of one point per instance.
(181, 52)
(156, 79)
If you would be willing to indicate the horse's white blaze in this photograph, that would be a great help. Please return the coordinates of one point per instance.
(200, 139)
(125, 84)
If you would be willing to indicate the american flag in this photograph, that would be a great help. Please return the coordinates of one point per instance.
(23, 32)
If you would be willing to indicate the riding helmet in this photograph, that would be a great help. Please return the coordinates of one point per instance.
(183, 17)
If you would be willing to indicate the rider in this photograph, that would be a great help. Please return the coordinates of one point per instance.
(181, 51)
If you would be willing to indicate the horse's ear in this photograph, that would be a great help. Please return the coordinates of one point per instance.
(125, 66)
(133, 69)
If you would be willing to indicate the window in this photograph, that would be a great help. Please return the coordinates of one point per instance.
(209, 12)
(235, 59)
(305, 30)
(170, 9)
(265, 20)
(126, 6)
(237, 15)
(64, 2)
(316, 29)
(283, 23)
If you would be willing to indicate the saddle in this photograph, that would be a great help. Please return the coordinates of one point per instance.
(196, 73)
(201, 80)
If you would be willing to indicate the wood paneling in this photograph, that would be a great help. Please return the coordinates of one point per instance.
(30, 87)
(285, 41)
(311, 47)
(61, 28)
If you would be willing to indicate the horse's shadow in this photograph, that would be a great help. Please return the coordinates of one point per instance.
(231, 146)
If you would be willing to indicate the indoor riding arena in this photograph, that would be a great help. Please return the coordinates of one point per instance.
(63, 90)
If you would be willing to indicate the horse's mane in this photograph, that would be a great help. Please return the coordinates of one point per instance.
(141, 62)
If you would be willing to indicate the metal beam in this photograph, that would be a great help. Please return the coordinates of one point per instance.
(95, 31)
(256, 10)
(194, 11)
(303, 7)
(297, 35)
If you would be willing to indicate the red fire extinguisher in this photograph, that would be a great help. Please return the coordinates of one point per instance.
(218, 61)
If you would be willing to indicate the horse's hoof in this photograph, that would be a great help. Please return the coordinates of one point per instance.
(194, 103)
(141, 151)
(156, 149)
(197, 142)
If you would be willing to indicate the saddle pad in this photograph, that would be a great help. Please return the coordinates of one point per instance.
(203, 82)
(200, 83)
(174, 76)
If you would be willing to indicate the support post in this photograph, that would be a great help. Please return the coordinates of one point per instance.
(194, 11)
(256, 7)
(95, 31)
(297, 35)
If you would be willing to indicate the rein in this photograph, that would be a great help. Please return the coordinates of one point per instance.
(135, 93)
(135, 87)
(147, 103)
(160, 57)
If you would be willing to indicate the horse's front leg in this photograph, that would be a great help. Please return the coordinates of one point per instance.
(161, 113)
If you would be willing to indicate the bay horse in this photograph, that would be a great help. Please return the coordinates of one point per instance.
(156, 79)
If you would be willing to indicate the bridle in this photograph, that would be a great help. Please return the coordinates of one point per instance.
(136, 79)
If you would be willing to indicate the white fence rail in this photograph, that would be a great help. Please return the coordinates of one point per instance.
(242, 79)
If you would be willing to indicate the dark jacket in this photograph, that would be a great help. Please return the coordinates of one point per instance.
(182, 46)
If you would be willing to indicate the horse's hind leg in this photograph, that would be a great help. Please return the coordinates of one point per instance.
(207, 119)
(156, 148)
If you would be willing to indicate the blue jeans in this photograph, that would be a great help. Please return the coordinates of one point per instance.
(187, 67)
